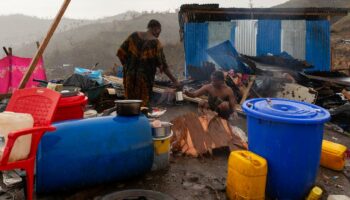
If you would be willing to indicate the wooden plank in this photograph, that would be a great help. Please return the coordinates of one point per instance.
(156, 89)
(5, 50)
(247, 90)
(44, 44)
(341, 81)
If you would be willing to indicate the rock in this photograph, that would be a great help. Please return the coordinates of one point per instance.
(190, 177)
(219, 187)
(98, 198)
(338, 197)
(187, 185)
(11, 179)
(198, 187)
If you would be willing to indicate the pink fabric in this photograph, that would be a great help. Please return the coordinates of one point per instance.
(4, 75)
(12, 70)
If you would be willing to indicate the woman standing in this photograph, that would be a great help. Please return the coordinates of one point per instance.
(141, 54)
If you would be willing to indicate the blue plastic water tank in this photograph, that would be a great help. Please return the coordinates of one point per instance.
(288, 134)
(87, 152)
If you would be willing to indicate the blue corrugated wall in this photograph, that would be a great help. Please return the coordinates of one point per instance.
(268, 37)
(196, 43)
(268, 41)
(318, 45)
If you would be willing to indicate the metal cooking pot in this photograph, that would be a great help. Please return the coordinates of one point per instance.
(128, 107)
(162, 131)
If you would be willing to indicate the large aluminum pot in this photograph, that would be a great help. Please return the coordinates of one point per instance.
(128, 107)
(163, 131)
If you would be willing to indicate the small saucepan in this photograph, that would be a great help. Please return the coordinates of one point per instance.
(163, 131)
(128, 107)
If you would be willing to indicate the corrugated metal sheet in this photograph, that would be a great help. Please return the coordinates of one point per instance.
(294, 37)
(318, 44)
(196, 43)
(309, 40)
(219, 32)
(233, 32)
(269, 37)
(245, 36)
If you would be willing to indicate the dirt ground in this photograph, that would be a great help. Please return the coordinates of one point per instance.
(196, 178)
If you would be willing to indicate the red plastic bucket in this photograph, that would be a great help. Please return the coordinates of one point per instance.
(69, 108)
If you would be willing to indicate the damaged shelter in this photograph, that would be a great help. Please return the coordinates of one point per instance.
(284, 52)
(304, 33)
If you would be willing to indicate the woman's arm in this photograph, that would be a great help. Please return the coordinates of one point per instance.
(165, 68)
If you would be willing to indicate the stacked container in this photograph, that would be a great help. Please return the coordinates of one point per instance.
(161, 143)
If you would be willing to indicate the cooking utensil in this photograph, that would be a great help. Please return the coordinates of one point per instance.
(128, 107)
(179, 96)
(162, 131)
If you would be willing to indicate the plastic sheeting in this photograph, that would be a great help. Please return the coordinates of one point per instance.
(12, 70)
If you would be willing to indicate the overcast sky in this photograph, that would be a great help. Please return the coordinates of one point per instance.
(92, 9)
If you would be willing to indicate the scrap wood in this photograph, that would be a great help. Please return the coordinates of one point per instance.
(197, 135)
(247, 90)
(346, 94)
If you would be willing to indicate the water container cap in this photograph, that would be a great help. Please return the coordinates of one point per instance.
(284, 110)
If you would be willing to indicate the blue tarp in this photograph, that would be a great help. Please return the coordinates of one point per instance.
(227, 57)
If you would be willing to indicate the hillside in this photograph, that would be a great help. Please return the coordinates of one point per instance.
(98, 41)
(17, 30)
(341, 25)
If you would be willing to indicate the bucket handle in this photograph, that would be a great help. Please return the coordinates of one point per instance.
(249, 105)
(269, 101)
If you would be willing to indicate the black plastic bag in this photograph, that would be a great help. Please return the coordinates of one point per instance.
(83, 82)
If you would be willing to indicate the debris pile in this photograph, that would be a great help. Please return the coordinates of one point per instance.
(196, 135)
